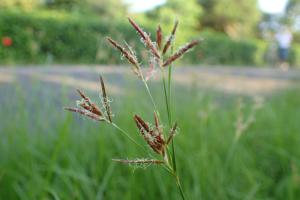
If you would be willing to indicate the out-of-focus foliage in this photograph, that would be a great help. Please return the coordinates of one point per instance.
(23, 4)
(292, 14)
(219, 48)
(64, 4)
(61, 37)
(73, 31)
(291, 4)
(294, 57)
(237, 18)
(188, 12)
(108, 8)
(105, 8)
(51, 36)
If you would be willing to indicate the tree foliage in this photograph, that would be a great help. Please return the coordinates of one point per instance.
(106, 8)
(292, 13)
(237, 18)
(187, 11)
(24, 4)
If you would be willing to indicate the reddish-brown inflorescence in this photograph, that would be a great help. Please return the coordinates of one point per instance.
(85, 113)
(145, 37)
(153, 136)
(180, 52)
(87, 104)
(158, 37)
(172, 133)
(171, 38)
(139, 161)
(90, 109)
(131, 58)
(105, 100)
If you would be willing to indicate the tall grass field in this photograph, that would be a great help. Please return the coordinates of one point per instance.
(47, 153)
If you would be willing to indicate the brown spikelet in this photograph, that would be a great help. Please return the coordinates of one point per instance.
(85, 113)
(145, 37)
(158, 131)
(171, 38)
(105, 100)
(88, 105)
(158, 37)
(172, 133)
(139, 161)
(180, 52)
(141, 124)
(135, 68)
(82, 94)
(152, 136)
(129, 56)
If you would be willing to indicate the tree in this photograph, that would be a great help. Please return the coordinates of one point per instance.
(108, 8)
(292, 13)
(188, 11)
(64, 4)
(23, 4)
(237, 18)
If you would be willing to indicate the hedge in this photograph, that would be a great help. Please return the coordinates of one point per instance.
(49, 36)
(217, 48)
(58, 37)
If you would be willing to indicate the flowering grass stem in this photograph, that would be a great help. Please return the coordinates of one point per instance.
(156, 137)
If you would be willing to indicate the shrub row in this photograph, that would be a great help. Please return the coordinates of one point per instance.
(217, 48)
(51, 36)
(45, 36)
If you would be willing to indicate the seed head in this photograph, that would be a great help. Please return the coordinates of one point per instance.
(145, 37)
(171, 38)
(130, 57)
(158, 37)
(105, 100)
(87, 104)
(180, 52)
(172, 133)
(86, 113)
(153, 137)
(139, 161)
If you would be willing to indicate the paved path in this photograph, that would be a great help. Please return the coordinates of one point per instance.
(244, 80)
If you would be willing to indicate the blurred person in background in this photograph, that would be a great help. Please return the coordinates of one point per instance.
(284, 39)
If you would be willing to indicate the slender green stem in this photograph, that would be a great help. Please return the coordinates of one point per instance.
(170, 115)
(150, 95)
(147, 89)
(180, 187)
(166, 96)
(169, 91)
(128, 136)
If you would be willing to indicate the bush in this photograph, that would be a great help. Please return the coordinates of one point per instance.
(61, 37)
(217, 48)
(49, 36)
(294, 58)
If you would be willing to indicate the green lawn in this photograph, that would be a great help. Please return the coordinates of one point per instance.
(47, 153)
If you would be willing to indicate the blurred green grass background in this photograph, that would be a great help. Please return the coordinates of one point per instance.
(47, 153)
